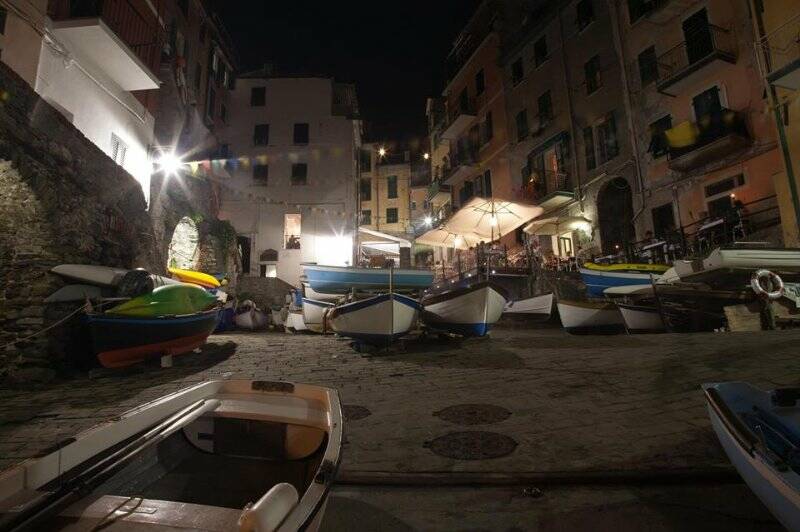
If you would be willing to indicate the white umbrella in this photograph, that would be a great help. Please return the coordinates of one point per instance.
(445, 238)
(557, 224)
(491, 218)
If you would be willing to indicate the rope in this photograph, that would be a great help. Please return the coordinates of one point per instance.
(56, 324)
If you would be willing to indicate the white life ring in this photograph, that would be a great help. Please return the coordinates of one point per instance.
(770, 280)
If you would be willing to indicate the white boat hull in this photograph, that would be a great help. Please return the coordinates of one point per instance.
(468, 311)
(590, 317)
(315, 315)
(377, 320)
(251, 320)
(295, 321)
(539, 306)
(310, 293)
(641, 319)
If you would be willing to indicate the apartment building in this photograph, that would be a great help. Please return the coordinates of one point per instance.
(704, 129)
(776, 24)
(385, 188)
(292, 195)
(21, 25)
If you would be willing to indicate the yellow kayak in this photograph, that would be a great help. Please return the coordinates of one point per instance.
(657, 268)
(199, 278)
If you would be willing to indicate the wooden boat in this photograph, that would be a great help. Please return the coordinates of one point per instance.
(729, 267)
(377, 320)
(532, 306)
(249, 317)
(341, 279)
(218, 456)
(590, 317)
(199, 278)
(107, 276)
(315, 314)
(641, 318)
(174, 299)
(760, 432)
(468, 311)
(119, 341)
(310, 293)
(598, 278)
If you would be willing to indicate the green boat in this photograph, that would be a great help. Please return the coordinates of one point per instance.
(169, 300)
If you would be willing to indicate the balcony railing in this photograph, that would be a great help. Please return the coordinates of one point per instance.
(137, 29)
(459, 119)
(437, 187)
(778, 54)
(704, 46)
(712, 137)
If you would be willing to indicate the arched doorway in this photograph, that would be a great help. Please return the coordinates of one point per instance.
(615, 216)
(183, 248)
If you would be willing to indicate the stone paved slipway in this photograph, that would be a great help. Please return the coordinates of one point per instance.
(614, 403)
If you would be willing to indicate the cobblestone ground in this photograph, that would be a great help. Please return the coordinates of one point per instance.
(576, 404)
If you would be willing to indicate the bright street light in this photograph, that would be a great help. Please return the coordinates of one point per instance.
(381, 151)
(169, 163)
(428, 220)
(426, 156)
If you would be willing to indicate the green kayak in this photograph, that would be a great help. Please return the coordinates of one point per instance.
(172, 299)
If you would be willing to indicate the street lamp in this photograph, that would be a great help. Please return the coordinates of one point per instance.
(382, 151)
(169, 163)
(428, 220)
(426, 156)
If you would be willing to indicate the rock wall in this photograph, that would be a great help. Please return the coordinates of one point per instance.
(264, 291)
(62, 200)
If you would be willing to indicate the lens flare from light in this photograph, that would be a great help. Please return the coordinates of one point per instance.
(169, 163)
(428, 220)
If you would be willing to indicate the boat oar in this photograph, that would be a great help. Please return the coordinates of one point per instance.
(87, 480)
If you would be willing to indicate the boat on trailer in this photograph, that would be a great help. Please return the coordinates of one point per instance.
(760, 433)
(377, 320)
(467, 311)
(590, 317)
(343, 279)
(530, 307)
(315, 314)
(218, 456)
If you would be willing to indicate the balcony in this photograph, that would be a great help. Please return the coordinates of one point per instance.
(700, 57)
(778, 55)
(713, 137)
(459, 121)
(112, 35)
(548, 190)
(462, 165)
(662, 11)
(438, 193)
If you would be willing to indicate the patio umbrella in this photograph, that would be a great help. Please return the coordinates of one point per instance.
(490, 218)
(556, 225)
(445, 238)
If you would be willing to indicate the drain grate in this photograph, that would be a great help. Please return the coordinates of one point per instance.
(473, 414)
(355, 412)
(472, 445)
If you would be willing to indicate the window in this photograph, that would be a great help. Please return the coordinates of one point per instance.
(391, 186)
(607, 139)
(725, 185)
(545, 103)
(663, 220)
(391, 215)
(488, 128)
(366, 217)
(269, 270)
(118, 150)
(261, 135)
(480, 83)
(292, 230)
(299, 173)
(720, 207)
(592, 71)
(707, 103)
(223, 113)
(585, 14)
(463, 101)
(366, 189)
(301, 133)
(522, 124)
(648, 66)
(517, 71)
(261, 173)
(243, 245)
(466, 192)
(366, 160)
(658, 140)
(540, 50)
(210, 101)
(588, 147)
(413, 205)
(258, 97)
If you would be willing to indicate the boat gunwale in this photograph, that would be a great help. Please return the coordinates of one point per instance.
(464, 290)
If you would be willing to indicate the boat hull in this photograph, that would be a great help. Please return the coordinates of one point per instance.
(315, 314)
(533, 306)
(120, 341)
(251, 320)
(376, 320)
(469, 311)
(199, 278)
(597, 281)
(341, 280)
(641, 319)
(590, 317)
(310, 293)
(295, 322)
(778, 490)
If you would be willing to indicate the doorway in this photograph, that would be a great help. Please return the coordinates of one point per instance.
(697, 35)
(615, 216)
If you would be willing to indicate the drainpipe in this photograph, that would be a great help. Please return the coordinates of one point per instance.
(627, 99)
(570, 112)
(758, 23)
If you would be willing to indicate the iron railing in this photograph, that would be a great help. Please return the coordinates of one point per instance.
(712, 127)
(702, 43)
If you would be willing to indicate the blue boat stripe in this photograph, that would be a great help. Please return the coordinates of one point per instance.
(358, 305)
(316, 303)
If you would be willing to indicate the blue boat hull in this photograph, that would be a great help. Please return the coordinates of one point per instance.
(334, 280)
(596, 282)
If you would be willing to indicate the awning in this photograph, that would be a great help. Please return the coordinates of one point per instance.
(444, 238)
(377, 237)
(491, 218)
(556, 225)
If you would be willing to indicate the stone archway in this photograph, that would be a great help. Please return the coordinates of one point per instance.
(615, 216)
(184, 249)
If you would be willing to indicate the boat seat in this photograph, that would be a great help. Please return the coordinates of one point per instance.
(269, 511)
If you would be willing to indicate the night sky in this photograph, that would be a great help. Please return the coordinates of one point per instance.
(393, 51)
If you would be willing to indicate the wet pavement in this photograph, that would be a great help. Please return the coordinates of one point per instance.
(465, 427)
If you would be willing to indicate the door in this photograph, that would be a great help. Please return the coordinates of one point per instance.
(707, 103)
(551, 169)
(697, 35)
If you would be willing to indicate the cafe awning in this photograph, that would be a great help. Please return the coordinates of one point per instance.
(557, 224)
